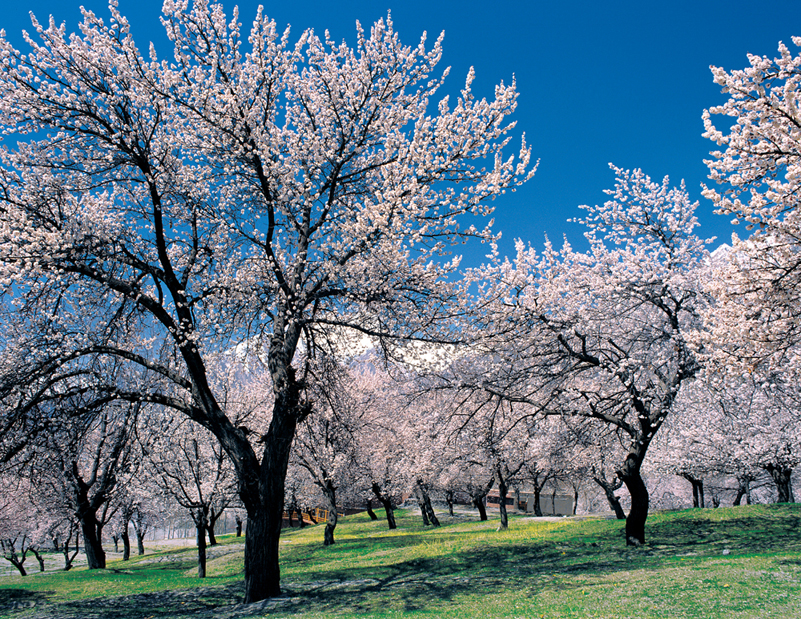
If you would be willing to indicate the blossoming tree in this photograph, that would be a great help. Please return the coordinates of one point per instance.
(247, 186)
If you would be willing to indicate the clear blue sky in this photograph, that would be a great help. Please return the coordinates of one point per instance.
(622, 82)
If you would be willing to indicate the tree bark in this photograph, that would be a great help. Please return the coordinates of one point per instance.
(201, 524)
(331, 523)
(502, 492)
(386, 501)
(126, 545)
(449, 501)
(698, 490)
(743, 490)
(39, 558)
(635, 522)
(478, 503)
(782, 478)
(238, 526)
(609, 491)
(263, 498)
(95, 555)
(370, 511)
(425, 505)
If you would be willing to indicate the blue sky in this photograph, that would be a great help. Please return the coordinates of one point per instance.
(622, 82)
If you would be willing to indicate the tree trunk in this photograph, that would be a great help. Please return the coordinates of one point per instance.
(116, 539)
(238, 526)
(201, 524)
(698, 489)
(302, 522)
(449, 501)
(537, 503)
(331, 523)
(423, 512)
(126, 545)
(502, 491)
(478, 503)
(386, 501)
(140, 542)
(39, 558)
(743, 490)
(210, 531)
(95, 555)
(425, 504)
(370, 511)
(781, 477)
(575, 500)
(264, 500)
(635, 522)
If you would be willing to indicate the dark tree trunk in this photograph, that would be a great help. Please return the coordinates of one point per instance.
(95, 555)
(9, 549)
(635, 522)
(116, 539)
(201, 524)
(140, 542)
(264, 500)
(210, 531)
(331, 523)
(743, 490)
(537, 502)
(449, 501)
(698, 489)
(370, 511)
(609, 489)
(386, 501)
(503, 490)
(781, 477)
(423, 512)
(478, 503)
(39, 558)
(238, 526)
(425, 505)
(302, 522)
(65, 549)
(289, 514)
(126, 545)
(575, 500)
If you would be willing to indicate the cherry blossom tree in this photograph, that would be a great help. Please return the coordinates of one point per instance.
(247, 187)
(601, 335)
(756, 318)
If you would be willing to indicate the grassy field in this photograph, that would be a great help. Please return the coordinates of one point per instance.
(729, 563)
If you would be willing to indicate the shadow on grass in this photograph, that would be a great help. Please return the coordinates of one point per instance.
(570, 560)
(11, 599)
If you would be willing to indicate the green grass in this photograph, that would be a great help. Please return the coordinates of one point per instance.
(730, 563)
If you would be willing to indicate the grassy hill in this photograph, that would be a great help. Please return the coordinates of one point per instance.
(742, 562)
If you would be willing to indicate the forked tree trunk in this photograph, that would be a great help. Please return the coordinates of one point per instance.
(743, 490)
(698, 489)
